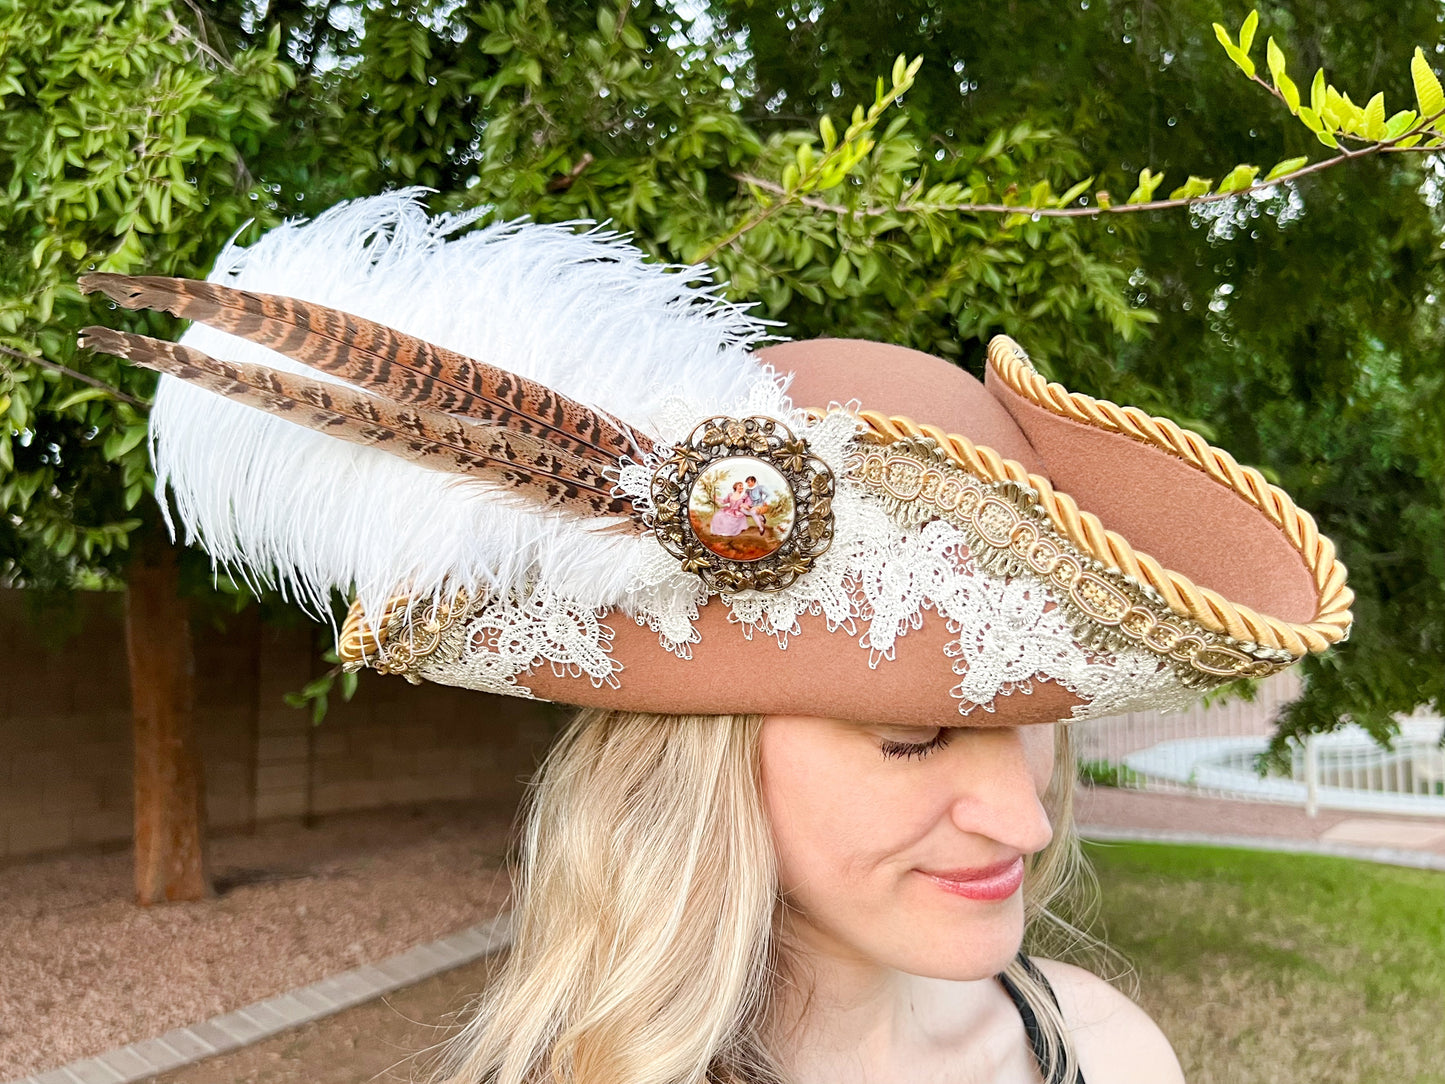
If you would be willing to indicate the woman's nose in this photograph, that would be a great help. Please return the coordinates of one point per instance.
(999, 792)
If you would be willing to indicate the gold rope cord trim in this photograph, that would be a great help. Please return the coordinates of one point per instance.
(1084, 529)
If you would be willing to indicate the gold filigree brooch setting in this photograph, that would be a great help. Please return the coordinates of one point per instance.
(744, 504)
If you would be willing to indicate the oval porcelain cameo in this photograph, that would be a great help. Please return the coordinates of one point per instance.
(741, 508)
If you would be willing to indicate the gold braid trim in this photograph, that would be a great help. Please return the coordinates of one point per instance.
(1209, 608)
(399, 640)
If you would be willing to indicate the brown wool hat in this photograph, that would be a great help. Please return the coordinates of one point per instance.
(604, 497)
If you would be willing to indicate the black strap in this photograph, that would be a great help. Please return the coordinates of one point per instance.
(1063, 1071)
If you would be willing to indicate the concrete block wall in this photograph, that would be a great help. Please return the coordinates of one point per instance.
(65, 742)
(64, 728)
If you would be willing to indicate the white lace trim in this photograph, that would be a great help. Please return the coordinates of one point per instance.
(508, 637)
(877, 576)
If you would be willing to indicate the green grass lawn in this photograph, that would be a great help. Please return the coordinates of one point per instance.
(1282, 969)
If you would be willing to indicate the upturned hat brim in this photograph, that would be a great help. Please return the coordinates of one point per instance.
(1165, 491)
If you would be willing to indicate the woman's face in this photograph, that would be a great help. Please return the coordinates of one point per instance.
(903, 846)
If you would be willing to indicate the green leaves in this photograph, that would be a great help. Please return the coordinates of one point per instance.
(1428, 95)
(1289, 165)
(1193, 188)
(810, 172)
(1282, 82)
(1238, 178)
(121, 440)
(1148, 182)
(1240, 53)
(1374, 119)
(1331, 115)
(122, 147)
(315, 695)
(84, 395)
(1246, 32)
(1400, 123)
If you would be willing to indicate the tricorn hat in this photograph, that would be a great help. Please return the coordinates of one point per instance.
(541, 465)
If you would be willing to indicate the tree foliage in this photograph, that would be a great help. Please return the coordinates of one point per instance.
(123, 147)
(920, 173)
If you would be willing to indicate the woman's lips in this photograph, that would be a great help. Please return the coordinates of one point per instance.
(996, 882)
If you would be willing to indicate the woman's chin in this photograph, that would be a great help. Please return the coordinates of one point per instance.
(963, 946)
(969, 965)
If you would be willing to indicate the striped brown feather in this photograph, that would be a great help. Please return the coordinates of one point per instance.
(526, 466)
(381, 359)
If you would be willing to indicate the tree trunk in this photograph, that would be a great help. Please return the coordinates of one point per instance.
(170, 861)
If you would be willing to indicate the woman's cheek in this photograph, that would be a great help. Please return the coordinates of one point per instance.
(849, 840)
(1039, 743)
(827, 811)
(821, 834)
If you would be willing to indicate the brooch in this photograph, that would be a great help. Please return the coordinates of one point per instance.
(743, 503)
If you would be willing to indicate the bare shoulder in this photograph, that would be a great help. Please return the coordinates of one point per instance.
(1116, 1041)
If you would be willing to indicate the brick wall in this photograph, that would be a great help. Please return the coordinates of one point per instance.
(65, 752)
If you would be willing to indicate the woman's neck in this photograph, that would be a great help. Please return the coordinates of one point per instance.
(840, 1018)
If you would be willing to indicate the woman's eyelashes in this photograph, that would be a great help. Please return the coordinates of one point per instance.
(914, 748)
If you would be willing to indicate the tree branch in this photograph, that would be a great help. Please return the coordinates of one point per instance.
(565, 181)
(1386, 146)
(1420, 127)
(857, 130)
(199, 41)
(74, 375)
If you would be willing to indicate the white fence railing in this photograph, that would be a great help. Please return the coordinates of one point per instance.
(1216, 751)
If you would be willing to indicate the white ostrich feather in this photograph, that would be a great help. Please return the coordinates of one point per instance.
(583, 312)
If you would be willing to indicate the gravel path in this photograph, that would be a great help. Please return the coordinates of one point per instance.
(82, 969)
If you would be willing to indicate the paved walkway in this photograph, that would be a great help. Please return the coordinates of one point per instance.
(1107, 813)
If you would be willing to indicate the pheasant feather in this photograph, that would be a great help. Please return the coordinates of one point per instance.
(582, 314)
(512, 462)
(374, 356)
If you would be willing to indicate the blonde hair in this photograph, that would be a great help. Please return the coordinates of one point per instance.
(645, 918)
(1060, 900)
